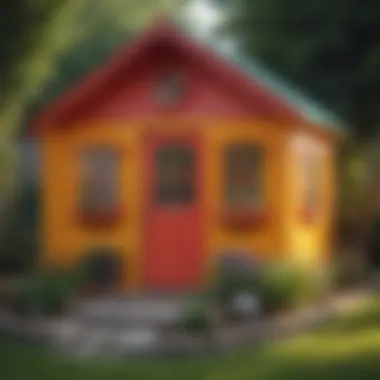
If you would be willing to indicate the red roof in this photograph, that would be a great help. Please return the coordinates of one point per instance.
(162, 31)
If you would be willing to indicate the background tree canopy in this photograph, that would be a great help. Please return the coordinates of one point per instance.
(330, 49)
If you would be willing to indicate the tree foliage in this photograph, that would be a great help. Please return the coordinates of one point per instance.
(329, 48)
(31, 34)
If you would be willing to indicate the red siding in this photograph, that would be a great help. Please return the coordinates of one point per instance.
(133, 94)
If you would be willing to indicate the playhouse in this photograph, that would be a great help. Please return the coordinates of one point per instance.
(171, 154)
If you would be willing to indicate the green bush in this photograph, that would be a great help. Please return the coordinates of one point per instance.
(197, 316)
(101, 266)
(19, 242)
(236, 273)
(285, 286)
(44, 293)
(82, 276)
(229, 285)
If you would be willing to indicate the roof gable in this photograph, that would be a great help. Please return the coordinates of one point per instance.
(164, 32)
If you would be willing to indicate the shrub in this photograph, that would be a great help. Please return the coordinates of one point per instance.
(44, 294)
(19, 239)
(197, 317)
(236, 273)
(284, 286)
(232, 284)
(101, 266)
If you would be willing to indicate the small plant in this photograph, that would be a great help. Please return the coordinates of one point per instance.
(284, 286)
(197, 317)
(229, 285)
(236, 274)
(101, 267)
(45, 294)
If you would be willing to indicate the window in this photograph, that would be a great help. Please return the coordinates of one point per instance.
(175, 174)
(99, 186)
(244, 175)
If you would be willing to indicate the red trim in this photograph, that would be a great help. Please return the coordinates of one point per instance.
(244, 218)
(162, 32)
(103, 219)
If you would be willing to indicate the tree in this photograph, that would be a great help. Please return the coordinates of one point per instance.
(31, 34)
(330, 49)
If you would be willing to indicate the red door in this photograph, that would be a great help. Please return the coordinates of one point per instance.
(173, 225)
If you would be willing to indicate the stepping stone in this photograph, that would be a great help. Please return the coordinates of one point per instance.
(66, 333)
(91, 343)
(137, 340)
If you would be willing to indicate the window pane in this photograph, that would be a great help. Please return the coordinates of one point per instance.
(99, 180)
(175, 174)
(243, 175)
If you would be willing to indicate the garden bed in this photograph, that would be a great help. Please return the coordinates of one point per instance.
(74, 337)
(248, 303)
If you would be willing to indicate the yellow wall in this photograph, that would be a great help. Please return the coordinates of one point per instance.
(65, 239)
(265, 240)
(310, 242)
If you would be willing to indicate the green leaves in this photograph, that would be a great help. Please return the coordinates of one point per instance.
(197, 316)
(285, 285)
(329, 48)
(45, 293)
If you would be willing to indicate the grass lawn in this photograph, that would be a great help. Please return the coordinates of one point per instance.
(347, 349)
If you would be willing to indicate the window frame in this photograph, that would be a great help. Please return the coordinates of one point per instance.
(112, 213)
(243, 215)
(162, 183)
